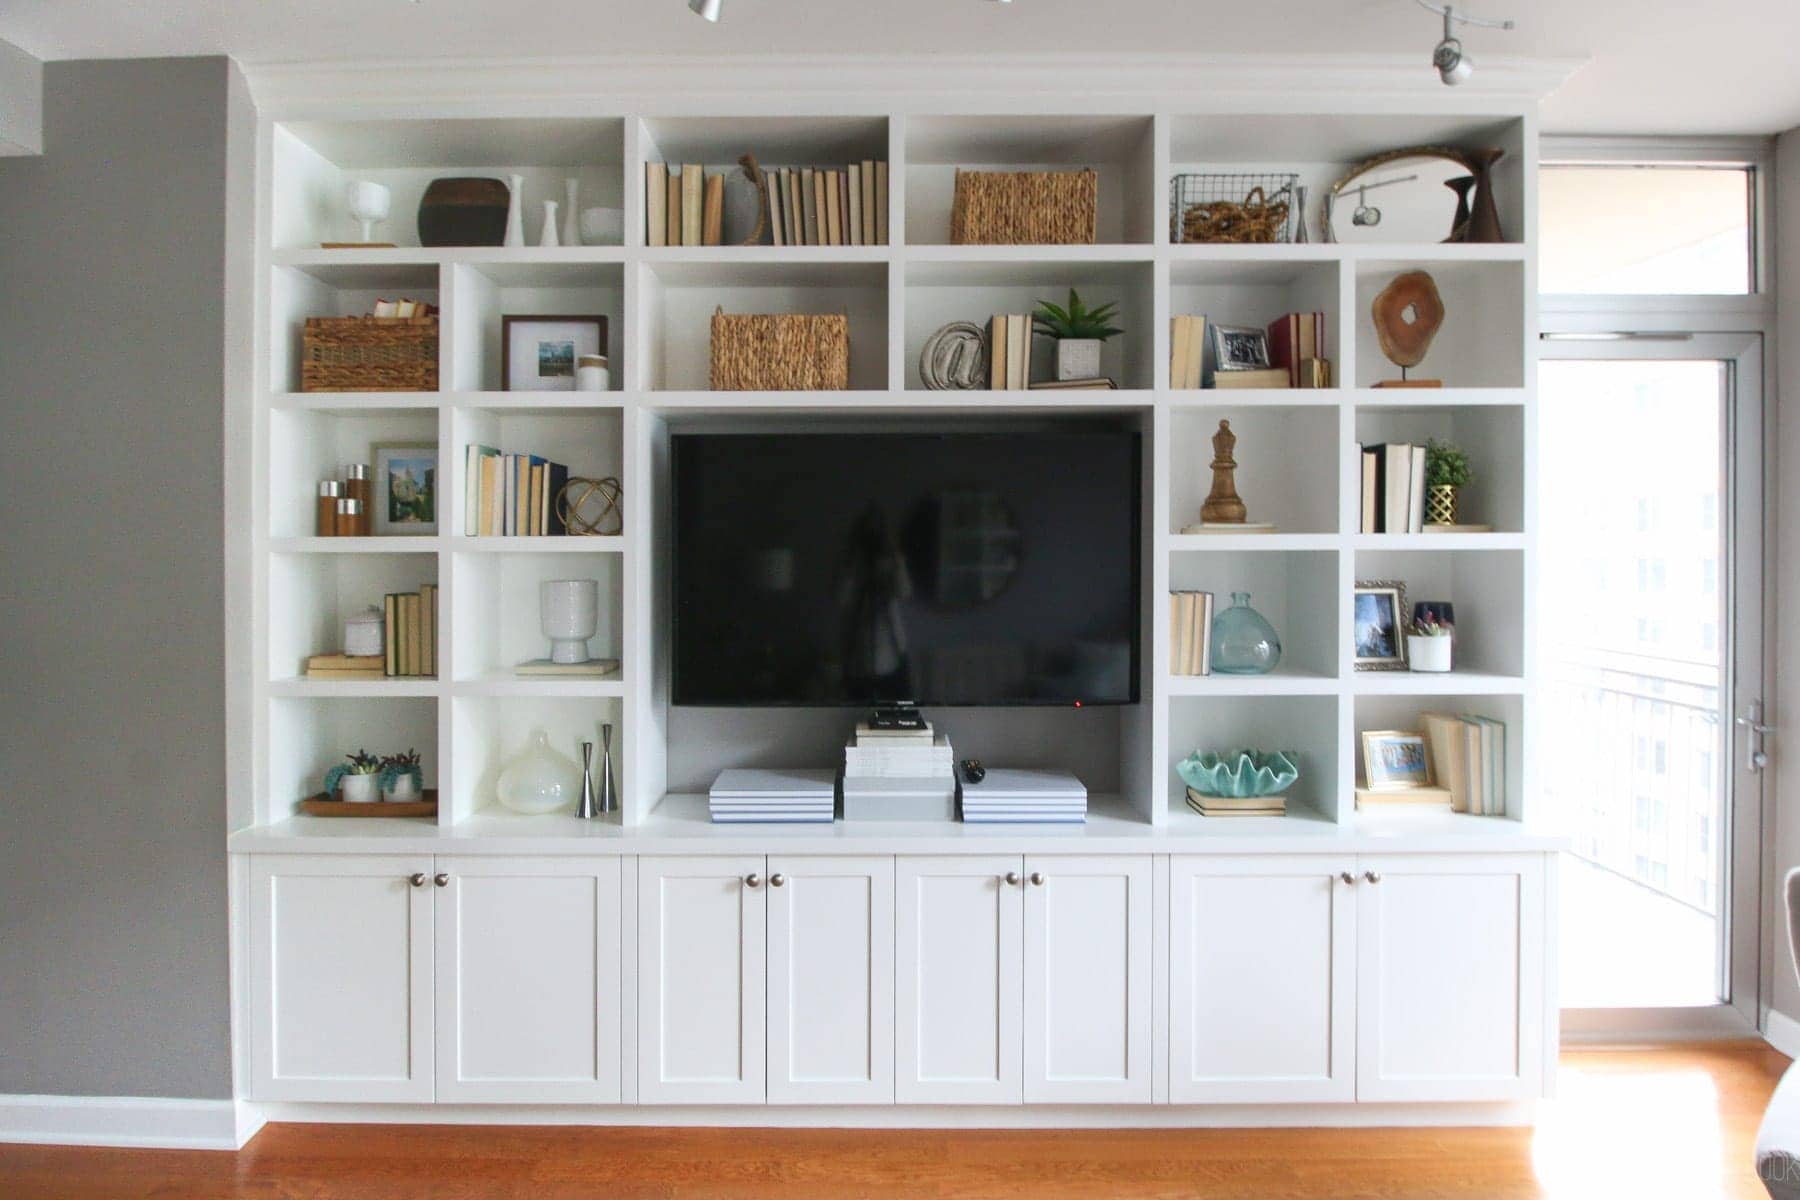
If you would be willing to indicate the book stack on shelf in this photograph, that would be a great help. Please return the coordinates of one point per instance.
(1009, 352)
(1468, 759)
(776, 797)
(1187, 350)
(898, 775)
(807, 206)
(512, 495)
(346, 666)
(1297, 346)
(1237, 806)
(1010, 796)
(410, 628)
(1393, 487)
(1190, 633)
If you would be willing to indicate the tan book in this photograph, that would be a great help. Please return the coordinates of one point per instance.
(881, 204)
(431, 631)
(390, 633)
(1099, 383)
(834, 218)
(656, 204)
(997, 353)
(1445, 740)
(673, 218)
(1315, 372)
(843, 182)
(868, 201)
(593, 667)
(1420, 799)
(793, 212)
(693, 189)
(409, 619)
(1237, 803)
(856, 208)
(535, 520)
(1180, 329)
(1196, 354)
(809, 206)
(777, 233)
(1272, 377)
(712, 225)
(1017, 347)
(343, 662)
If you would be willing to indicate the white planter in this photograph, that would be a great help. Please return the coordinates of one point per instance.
(1077, 358)
(361, 789)
(1428, 653)
(406, 790)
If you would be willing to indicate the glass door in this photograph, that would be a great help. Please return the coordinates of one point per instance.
(1649, 611)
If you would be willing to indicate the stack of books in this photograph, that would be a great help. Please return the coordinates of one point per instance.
(773, 796)
(1393, 487)
(1297, 346)
(1190, 633)
(346, 666)
(1468, 752)
(1187, 349)
(808, 206)
(1237, 806)
(898, 775)
(410, 628)
(511, 495)
(1009, 796)
(1009, 352)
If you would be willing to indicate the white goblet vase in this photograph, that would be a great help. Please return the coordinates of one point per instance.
(570, 612)
(368, 203)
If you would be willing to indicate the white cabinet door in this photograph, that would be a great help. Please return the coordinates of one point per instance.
(1087, 998)
(1262, 993)
(341, 969)
(831, 980)
(700, 979)
(1450, 981)
(528, 979)
(958, 968)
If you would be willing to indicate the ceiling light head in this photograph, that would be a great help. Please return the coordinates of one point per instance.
(707, 8)
(1453, 63)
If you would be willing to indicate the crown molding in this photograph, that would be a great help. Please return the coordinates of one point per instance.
(524, 87)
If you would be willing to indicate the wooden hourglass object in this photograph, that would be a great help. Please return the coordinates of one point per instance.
(1408, 314)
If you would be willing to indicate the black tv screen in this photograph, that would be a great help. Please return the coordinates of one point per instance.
(941, 569)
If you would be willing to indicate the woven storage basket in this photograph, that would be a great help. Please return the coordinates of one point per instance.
(1024, 208)
(782, 352)
(369, 354)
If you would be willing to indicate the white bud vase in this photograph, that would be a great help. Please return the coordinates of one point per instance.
(571, 218)
(515, 211)
(548, 237)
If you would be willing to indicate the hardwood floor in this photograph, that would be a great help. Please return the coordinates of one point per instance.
(1674, 1122)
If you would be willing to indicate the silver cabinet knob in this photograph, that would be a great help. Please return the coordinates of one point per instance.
(1012, 877)
(1372, 876)
(777, 879)
(753, 880)
(1037, 879)
(417, 879)
(441, 879)
(1347, 877)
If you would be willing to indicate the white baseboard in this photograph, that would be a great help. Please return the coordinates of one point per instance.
(1782, 1032)
(122, 1121)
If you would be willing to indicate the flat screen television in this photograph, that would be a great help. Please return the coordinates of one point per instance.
(848, 569)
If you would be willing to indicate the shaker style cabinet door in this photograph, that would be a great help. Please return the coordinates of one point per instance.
(1450, 977)
(700, 979)
(958, 972)
(528, 980)
(831, 980)
(1088, 1009)
(341, 977)
(1262, 979)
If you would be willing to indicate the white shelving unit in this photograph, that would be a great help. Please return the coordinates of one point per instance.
(1295, 448)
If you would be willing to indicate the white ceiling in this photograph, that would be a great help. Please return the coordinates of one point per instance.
(1653, 66)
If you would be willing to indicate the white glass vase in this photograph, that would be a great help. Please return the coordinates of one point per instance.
(540, 780)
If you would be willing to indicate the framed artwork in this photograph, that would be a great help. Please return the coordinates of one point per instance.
(1379, 626)
(537, 354)
(1240, 348)
(405, 488)
(1396, 760)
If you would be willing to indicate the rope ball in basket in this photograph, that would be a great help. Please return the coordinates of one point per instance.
(1255, 219)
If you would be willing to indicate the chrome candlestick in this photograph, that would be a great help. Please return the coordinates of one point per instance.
(608, 793)
(586, 810)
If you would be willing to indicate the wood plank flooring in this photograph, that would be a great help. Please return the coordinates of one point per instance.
(1671, 1122)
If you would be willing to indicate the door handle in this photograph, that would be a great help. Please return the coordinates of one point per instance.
(417, 879)
(441, 879)
(753, 880)
(1758, 756)
(1346, 876)
(1012, 877)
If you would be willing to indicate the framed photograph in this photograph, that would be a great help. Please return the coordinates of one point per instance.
(537, 354)
(1395, 760)
(1379, 625)
(1239, 348)
(404, 488)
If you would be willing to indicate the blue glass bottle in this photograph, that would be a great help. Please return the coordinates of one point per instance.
(1243, 642)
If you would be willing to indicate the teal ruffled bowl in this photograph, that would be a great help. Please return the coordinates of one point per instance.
(1239, 773)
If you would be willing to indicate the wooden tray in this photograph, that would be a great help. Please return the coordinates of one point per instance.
(322, 805)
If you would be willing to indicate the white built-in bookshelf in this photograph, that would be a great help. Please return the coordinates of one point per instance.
(1296, 449)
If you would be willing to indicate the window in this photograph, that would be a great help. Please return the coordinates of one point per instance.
(1645, 230)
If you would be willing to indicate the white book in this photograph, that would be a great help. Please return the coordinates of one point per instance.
(1397, 474)
(1415, 515)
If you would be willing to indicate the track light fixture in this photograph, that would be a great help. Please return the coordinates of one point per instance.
(707, 8)
(1452, 63)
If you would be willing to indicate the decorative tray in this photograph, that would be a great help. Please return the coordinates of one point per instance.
(322, 805)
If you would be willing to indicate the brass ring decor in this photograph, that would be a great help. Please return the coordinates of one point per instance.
(588, 506)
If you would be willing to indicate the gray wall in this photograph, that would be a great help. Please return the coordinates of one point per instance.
(112, 712)
(1784, 568)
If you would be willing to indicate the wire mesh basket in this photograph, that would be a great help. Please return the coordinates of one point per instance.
(1256, 206)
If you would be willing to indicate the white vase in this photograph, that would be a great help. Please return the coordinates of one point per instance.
(570, 612)
(603, 226)
(1077, 358)
(1428, 653)
(540, 780)
(515, 211)
(405, 790)
(571, 217)
(361, 789)
(548, 237)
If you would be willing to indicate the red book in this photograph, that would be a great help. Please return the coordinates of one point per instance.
(1284, 346)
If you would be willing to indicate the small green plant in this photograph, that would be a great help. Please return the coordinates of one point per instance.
(1446, 465)
(1075, 321)
(1428, 626)
(400, 762)
(362, 763)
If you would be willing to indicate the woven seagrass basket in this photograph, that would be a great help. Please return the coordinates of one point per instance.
(369, 354)
(1025, 208)
(780, 352)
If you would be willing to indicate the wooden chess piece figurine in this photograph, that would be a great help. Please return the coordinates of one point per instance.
(1223, 507)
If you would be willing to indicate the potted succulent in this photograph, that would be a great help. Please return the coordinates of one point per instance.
(1446, 469)
(1078, 331)
(1428, 642)
(359, 778)
(401, 779)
